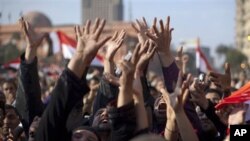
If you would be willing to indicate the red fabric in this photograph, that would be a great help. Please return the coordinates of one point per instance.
(239, 96)
(64, 39)
(228, 131)
(15, 63)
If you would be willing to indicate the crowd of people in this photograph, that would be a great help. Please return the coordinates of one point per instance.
(124, 101)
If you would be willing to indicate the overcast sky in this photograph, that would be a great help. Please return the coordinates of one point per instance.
(211, 20)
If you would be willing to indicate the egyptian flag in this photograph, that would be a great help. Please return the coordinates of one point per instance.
(61, 43)
(240, 96)
(202, 64)
(12, 64)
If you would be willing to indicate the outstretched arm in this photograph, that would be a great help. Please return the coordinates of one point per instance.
(177, 100)
(70, 88)
(28, 100)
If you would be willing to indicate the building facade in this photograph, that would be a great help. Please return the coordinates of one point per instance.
(242, 30)
(111, 10)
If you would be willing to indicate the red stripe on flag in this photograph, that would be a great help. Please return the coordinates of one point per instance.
(15, 63)
(198, 49)
(64, 39)
(202, 57)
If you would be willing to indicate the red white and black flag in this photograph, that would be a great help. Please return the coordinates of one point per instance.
(202, 64)
(61, 43)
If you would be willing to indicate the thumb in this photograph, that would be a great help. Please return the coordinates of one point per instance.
(180, 52)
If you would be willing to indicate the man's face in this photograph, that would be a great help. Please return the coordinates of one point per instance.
(83, 135)
(101, 120)
(9, 91)
(11, 119)
(160, 109)
(213, 97)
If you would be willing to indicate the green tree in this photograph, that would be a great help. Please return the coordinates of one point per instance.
(232, 56)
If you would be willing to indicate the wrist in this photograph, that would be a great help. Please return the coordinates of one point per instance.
(166, 59)
(165, 53)
(142, 38)
(138, 74)
(30, 55)
(108, 59)
(126, 89)
(179, 111)
(171, 128)
(81, 57)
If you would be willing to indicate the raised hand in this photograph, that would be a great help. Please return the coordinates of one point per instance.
(197, 90)
(111, 79)
(88, 39)
(180, 94)
(126, 79)
(177, 100)
(233, 114)
(237, 115)
(171, 129)
(178, 58)
(146, 53)
(88, 44)
(163, 37)
(114, 44)
(185, 59)
(32, 38)
(223, 80)
(141, 28)
(128, 67)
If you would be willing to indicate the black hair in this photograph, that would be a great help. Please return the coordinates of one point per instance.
(95, 78)
(10, 107)
(10, 81)
(211, 90)
(91, 129)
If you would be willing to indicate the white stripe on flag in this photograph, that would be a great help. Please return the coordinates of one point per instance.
(14, 65)
(197, 60)
(200, 62)
(96, 62)
(55, 42)
(68, 51)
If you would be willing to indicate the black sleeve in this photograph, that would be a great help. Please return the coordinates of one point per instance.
(210, 113)
(68, 91)
(28, 100)
(148, 98)
(123, 122)
(105, 94)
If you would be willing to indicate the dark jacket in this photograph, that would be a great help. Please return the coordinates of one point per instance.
(106, 93)
(69, 90)
(123, 122)
(28, 99)
(210, 113)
